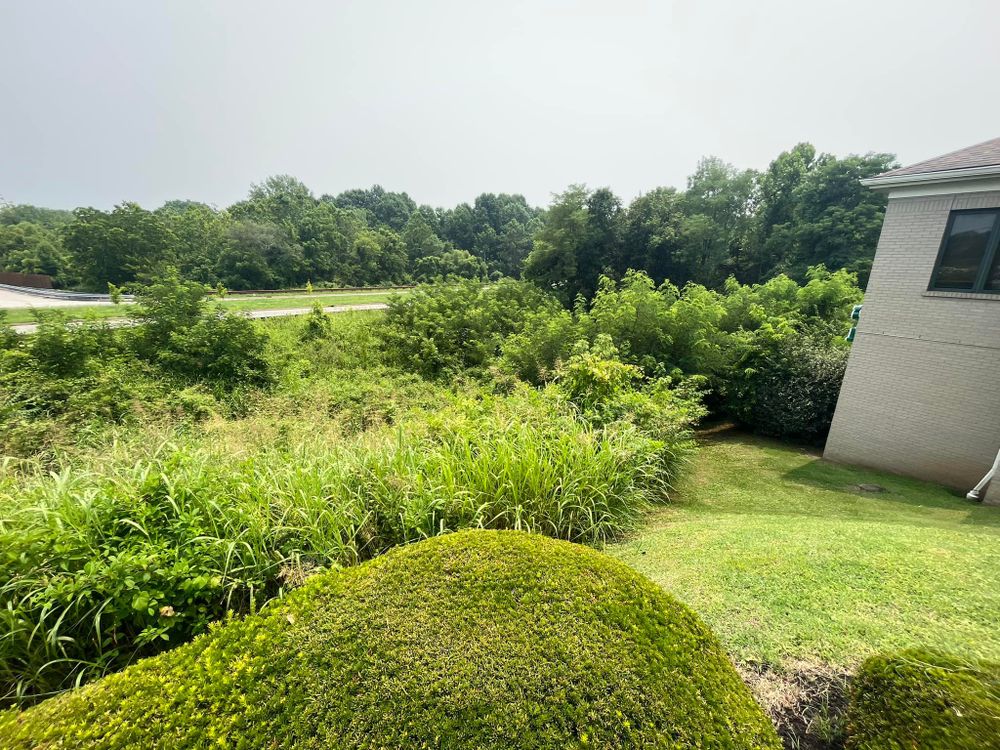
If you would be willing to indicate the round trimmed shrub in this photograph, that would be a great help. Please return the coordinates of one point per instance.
(926, 700)
(479, 639)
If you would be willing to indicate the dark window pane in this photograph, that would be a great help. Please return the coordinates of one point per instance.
(970, 233)
(993, 279)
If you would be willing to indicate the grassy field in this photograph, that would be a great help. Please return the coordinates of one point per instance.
(788, 561)
(248, 302)
(241, 303)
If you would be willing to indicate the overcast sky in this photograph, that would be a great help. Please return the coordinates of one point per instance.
(108, 101)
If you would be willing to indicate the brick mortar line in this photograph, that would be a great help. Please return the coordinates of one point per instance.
(929, 341)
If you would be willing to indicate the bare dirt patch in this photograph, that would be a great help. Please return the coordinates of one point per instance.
(806, 701)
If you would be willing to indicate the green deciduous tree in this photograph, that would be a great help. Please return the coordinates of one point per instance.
(420, 239)
(120, 246)
(450, 264)
(654, 224)
(726, 197)
(581, 238)
(260, 256)
(202, 235)
(31, 248)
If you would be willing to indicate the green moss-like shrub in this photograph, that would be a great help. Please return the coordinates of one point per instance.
(479, 639)
(922, 700)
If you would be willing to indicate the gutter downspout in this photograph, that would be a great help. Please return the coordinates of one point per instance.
(976, 492)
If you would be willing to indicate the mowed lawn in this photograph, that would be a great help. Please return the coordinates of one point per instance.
(238, 303)
(788, 561)
(250, 302)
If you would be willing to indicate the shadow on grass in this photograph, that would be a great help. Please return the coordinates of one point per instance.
(903, 492)
(803, 465)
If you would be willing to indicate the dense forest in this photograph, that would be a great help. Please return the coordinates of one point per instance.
(805, 209)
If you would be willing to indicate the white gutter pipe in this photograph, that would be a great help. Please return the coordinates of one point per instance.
(976, 492)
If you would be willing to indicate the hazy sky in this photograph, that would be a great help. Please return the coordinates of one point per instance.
(108, 101)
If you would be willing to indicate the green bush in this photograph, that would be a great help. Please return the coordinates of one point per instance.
(69, 377)
(317, 323)
(440, 329)
(471, 640)
(183, 336)
(594, 375)
(608, 392)
(59, 382)
(926, 700)
(786, 384)
(693, 331)
(535, 352)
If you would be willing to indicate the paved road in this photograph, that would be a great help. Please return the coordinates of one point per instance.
(11, 299)
(32, 327)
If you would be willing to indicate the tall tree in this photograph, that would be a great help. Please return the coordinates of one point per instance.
(327, 235)
(580, 239)
(553, 261)
(31, 248)
(652, 235)
(260, 256)
(281, 199)
(420, 239)
(726, 196)
(202, 236)
(382, 208)
(126, 244)
(834, 220)
(602, 251)
(458, 226)
(777, 208)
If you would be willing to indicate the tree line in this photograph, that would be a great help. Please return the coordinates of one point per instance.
(805, 209)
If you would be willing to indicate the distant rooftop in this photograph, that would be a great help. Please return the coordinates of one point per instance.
(982, 158)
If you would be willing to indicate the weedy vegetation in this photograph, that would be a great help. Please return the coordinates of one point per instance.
(198, 466)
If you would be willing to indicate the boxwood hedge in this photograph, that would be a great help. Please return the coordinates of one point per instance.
(926, 700)
(480, 639)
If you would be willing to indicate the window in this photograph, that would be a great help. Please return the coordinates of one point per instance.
(968, 260)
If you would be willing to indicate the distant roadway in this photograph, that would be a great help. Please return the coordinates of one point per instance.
(12, 299)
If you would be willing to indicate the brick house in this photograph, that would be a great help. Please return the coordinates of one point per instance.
(921, 395)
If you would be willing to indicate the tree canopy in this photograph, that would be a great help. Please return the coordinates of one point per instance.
(804, 210)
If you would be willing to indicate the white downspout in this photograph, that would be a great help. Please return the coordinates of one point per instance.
(976, 492)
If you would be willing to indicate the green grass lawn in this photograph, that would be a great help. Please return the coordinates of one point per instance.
(281, 302)
(788, 561)
(13, 316)
(241, 303)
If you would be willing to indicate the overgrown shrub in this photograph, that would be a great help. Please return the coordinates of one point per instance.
(345, 341)
(317, 323)
(786, 385)
(69, 376)
(440, 329)
(59, 381)
(926, 700)
(607, 392)
(690, 332)
(181, 334)
(477, 639)
(545, 340)
(225, 351)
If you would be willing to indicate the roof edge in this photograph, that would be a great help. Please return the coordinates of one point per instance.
(925, 178)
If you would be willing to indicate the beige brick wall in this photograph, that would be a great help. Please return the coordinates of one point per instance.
(922, 391)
